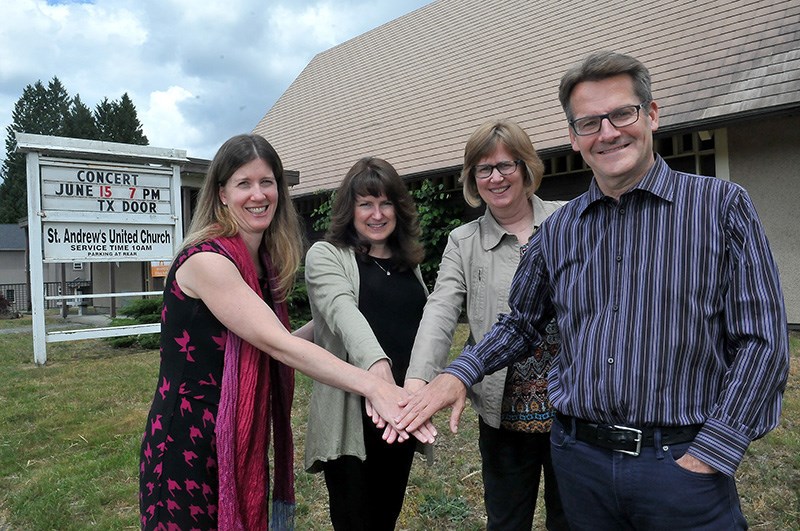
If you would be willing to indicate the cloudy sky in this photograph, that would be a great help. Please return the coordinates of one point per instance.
(197, 71)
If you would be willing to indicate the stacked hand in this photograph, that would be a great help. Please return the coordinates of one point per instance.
(384, 408)
(444, 390)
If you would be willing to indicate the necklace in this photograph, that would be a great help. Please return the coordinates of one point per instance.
(388, 273)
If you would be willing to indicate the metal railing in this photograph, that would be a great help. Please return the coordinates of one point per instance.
(19, 296)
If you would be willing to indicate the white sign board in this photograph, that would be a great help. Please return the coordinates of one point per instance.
(103, 211)
(93, 242)
(82, 186)
(92, 201)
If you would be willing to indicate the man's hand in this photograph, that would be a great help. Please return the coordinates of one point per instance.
(444, 390)
(693, 464)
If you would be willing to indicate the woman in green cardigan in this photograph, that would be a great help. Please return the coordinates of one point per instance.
(367, 296)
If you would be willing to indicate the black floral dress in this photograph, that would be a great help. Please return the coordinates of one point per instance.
(178, 487)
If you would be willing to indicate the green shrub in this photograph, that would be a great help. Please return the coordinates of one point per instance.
(149, 341)
(6, 311)
(437, 215)
(299, 308)
(139, 311)
(322, 214)
(144, 311)
(124, 341)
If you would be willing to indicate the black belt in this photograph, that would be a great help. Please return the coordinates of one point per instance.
(625, 439)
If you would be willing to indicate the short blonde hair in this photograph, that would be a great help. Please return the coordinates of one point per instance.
(484, 141)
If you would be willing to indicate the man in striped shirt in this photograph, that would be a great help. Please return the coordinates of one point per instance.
(675, 345)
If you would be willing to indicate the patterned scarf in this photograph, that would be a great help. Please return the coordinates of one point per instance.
(255, 390)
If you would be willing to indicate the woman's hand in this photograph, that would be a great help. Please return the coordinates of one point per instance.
(383, 370)
(412, 385)
(305, 332)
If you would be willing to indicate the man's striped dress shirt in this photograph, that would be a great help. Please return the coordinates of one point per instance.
(670, 311)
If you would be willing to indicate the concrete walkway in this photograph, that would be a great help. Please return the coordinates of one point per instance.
(72, 321)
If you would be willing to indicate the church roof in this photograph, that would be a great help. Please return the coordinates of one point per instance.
(413, 90)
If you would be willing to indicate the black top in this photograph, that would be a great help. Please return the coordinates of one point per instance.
(392, 304)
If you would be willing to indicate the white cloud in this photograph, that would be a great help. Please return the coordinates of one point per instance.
(198, 72)
(299, 32)
(164, 123)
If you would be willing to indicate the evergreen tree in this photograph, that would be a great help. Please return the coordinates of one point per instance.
(117, 121)
(56, 108)
(50, 111)
(127, 127)
(41, 111)
(103, 120)
(14, 188)
(79, 122)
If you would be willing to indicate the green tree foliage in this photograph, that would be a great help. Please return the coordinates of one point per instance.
(103, 118)
(79, 122)
(322, 214)
(56, 108)
(51, 111)
(438, 215)
(297, 301)
(41, 111)
(14, 188)
(117, 122)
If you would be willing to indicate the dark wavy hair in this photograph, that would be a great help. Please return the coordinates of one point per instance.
(371, 176)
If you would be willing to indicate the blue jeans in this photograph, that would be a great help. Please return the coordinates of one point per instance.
(606, 490)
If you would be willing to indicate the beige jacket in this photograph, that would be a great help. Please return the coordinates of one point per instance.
(334, 419)
(478, 263)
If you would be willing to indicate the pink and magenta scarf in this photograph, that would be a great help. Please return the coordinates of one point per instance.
(256, 391)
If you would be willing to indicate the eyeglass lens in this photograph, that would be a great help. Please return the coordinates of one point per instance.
(621, 117)
(505, 167)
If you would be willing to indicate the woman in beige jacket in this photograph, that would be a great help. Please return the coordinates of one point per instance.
(502, 170)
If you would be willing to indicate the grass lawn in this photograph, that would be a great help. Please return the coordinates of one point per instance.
(69, 443)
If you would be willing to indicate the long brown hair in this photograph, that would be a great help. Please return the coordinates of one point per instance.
(283, 238)
(372, 176)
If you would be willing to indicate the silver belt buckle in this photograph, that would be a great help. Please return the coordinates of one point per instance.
(638, 433)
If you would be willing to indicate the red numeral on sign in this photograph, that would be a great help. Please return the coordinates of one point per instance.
(105, 191)
(133, 191)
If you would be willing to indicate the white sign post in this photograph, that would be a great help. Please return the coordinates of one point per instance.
(92, 201)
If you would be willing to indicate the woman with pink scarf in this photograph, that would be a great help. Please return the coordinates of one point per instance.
(227, 358)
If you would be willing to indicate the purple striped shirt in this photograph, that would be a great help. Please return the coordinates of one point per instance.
(670, 311)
